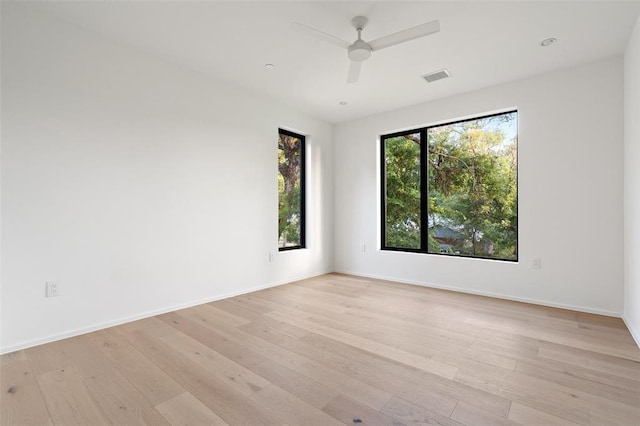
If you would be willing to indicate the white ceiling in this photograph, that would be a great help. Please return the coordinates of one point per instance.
(481, 43)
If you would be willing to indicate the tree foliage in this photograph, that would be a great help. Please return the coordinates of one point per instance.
(472, 188)
(289, 209)
(403, 192)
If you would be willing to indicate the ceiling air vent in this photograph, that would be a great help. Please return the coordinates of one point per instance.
(436, 75)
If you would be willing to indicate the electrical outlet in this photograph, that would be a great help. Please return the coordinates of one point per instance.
(363, 248)
(536, 263)
(53, 289)
(270, 257)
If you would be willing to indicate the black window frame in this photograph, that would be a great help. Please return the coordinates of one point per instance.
(303, 166)
(424, 190)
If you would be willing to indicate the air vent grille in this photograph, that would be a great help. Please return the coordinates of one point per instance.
(436, 75)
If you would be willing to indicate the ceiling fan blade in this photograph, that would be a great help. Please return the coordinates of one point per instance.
(312, 32)
(354, 71)
(405, 35)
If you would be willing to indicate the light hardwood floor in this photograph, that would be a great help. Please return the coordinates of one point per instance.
(331, 350)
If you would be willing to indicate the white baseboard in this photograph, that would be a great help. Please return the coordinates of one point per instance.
(488, 294)
(148, 314)
(635, 333)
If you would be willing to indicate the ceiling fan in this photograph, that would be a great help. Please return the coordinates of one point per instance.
(360, 50)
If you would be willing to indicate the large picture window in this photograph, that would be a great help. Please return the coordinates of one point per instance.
(452, 189)
(291, 199)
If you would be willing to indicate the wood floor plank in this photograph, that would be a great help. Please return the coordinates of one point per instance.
(86, 358)
(291, 408)
(335, 349)
(21, 402)
(355, 389)
(310, 391)
(186, 410)
(592, 360)
(68, 399)
(376, 311)
(569, 378)
(419, 340)
(148, 378)
(121, 403)
(607, 410)
(517, 349)
(478, 360)
(423, 341)
(595, 376)
(524, 415)
(252, 303)
(628, 351)
(427, 390)
(13, 357)
(232, 374)
(383, 350)
(535, 393)
(49, 357)
(213, 340)
(418, 331)
(152, 327)
(210, 310)
(612, 418)
(380, 371)
(237, 308)
(413, 414)
(349, 411)
(536, 315)
(223, 400)
(273, 330)
(470, 415)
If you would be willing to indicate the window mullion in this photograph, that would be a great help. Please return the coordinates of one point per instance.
(424, 199)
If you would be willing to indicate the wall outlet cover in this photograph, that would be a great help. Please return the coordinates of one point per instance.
(53, 289)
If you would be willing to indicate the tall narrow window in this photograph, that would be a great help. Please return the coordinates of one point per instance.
(402, 214)
(291, 199)
(452, 189)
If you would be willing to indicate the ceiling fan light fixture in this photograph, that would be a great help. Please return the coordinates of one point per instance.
(359, 51)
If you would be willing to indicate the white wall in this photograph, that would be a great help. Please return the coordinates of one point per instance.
(570, 192)
(632, 183)
(137, 186)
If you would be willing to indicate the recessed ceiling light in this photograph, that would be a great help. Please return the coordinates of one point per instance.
(547, 42)
(269, 66)
(342, 103)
